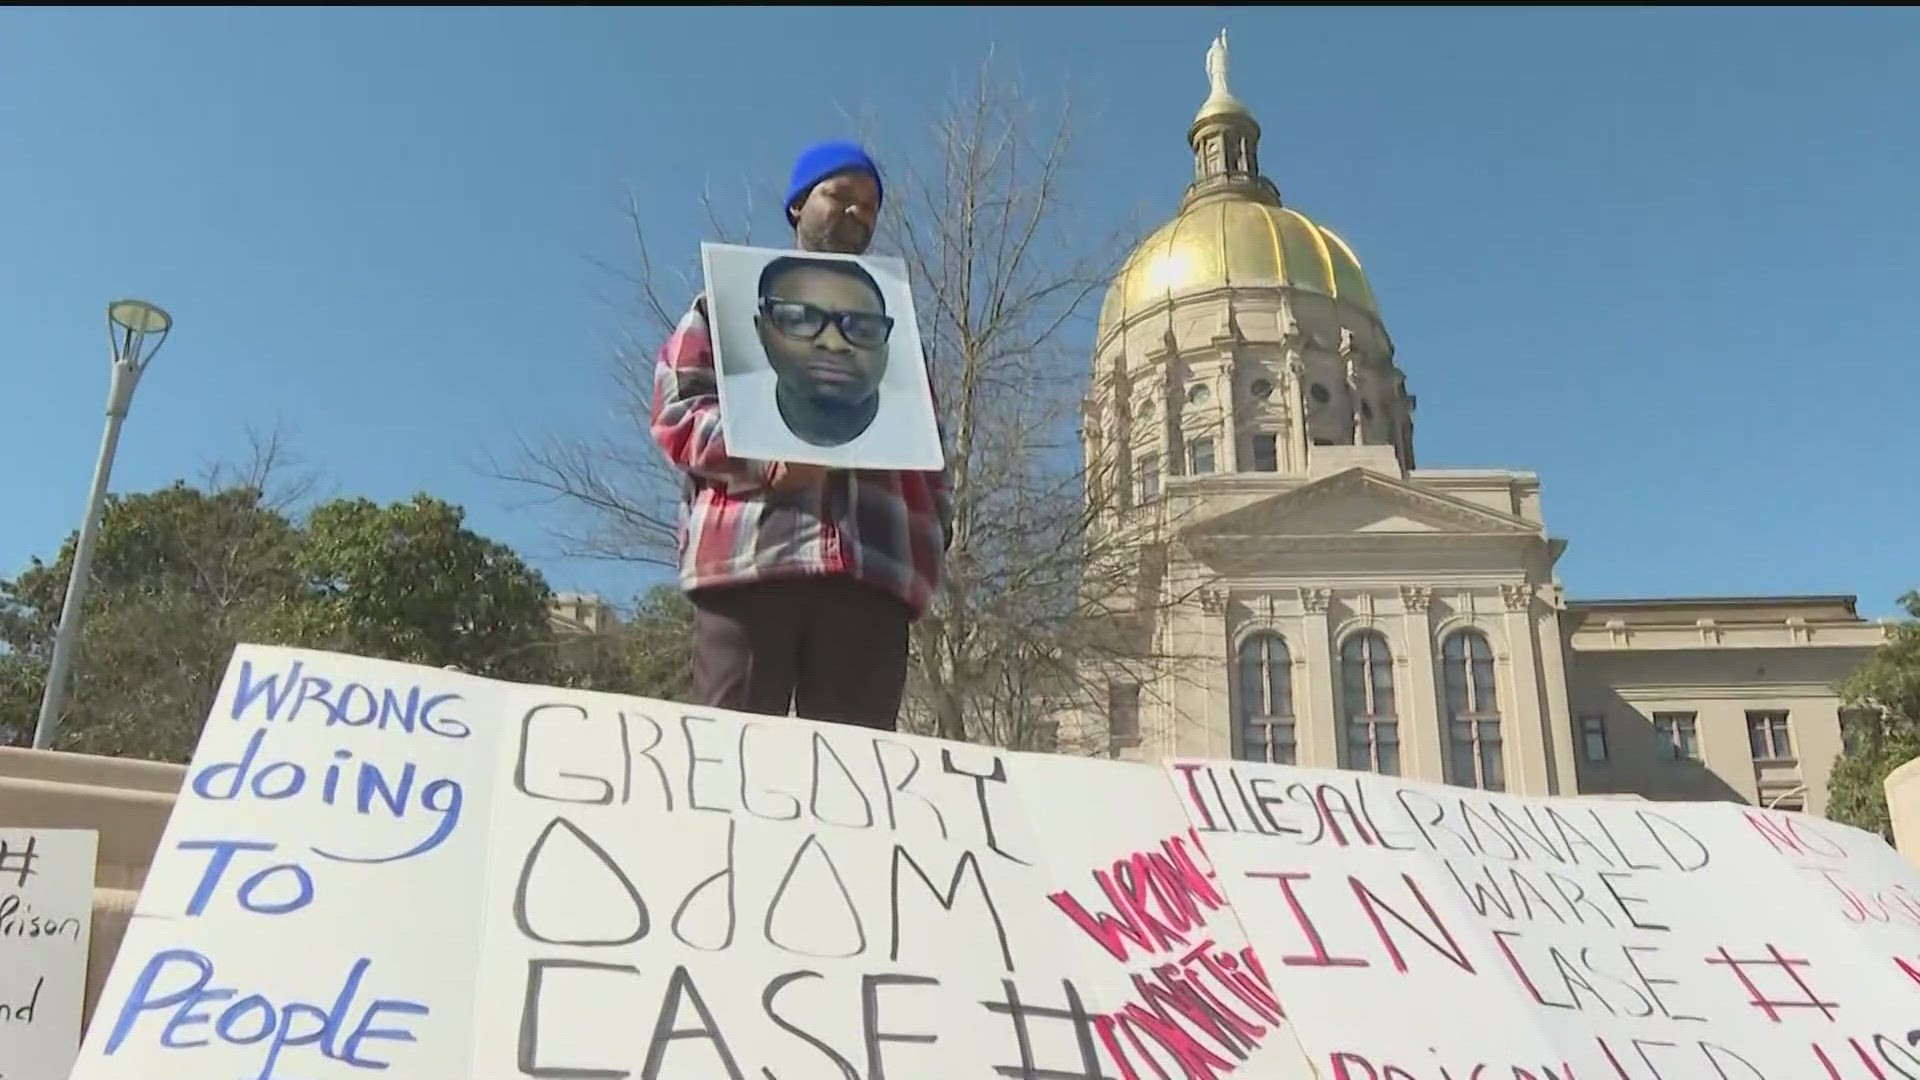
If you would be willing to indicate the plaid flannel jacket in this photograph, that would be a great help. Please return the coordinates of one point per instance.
(887, 529)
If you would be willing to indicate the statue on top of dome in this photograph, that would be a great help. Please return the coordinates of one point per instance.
(1217, 66)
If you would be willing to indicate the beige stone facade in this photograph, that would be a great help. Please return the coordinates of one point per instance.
(127, 802)
(580, 613)
(1308, 594)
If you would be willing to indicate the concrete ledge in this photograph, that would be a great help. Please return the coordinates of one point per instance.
(127, 802)
(130, 774)
(1903, 807)
(112, 911)
(129, 822)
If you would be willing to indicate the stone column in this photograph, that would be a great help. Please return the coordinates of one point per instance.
(1562, 750)
(1227, 458)
(1355, 387)
(1207, 731)
(1295, 388)
(1163, 405)
(1422, 735)
(1523, 724)
(1319, 732)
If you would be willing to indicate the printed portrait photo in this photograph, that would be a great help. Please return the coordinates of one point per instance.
(819, 359)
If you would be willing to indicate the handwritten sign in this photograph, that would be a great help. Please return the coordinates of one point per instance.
(377, 868)
(46, 915)
(1418, 931)
(313, 909)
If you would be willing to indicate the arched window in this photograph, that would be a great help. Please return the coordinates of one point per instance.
(1149, 478)
(1265, 705)
(1366, 704)
(1473, 712)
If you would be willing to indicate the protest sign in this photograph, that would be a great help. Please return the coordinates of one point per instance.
(313, 907)
(381, 867)
(1416, 930)
(818, 359)
(46, 917)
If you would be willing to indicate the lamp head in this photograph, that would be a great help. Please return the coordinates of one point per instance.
(139, 316)
(136, 330)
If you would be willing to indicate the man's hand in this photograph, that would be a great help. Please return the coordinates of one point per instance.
(788, 477)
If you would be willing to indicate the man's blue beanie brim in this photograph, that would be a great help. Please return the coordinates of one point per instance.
(823, 160)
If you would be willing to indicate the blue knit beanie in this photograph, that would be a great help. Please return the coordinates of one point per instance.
(822, 160)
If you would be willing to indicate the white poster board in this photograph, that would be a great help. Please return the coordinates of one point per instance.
(818, 359)
(46, 920)
(380, 865)
(1420, 930)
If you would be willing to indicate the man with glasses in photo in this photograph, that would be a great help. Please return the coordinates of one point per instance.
(804, 580)
(823, 325)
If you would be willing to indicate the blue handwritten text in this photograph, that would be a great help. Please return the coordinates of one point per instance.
(352, 704)
(274, 781)
(178, 983)
(251, 886)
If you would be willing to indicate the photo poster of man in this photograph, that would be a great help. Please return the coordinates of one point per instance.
(818, 359)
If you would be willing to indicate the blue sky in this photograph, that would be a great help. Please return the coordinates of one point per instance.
(1668, 259)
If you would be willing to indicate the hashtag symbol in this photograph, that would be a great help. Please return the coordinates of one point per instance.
(1022, 1014)
(19, 862)
(1807, 999)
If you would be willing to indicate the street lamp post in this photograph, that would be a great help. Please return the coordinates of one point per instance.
(135, 330)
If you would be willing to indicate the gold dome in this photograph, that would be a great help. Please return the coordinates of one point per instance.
(1238, 242)
(1232, 229)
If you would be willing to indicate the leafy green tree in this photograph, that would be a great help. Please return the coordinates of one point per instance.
(649, 655)
(1881, 728)
(660, 645)
(182, 575)
(411, 582)
(179, 575)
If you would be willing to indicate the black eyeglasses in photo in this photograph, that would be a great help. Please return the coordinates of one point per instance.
(798, 319)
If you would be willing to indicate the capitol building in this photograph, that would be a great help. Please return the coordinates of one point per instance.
(1312, 594)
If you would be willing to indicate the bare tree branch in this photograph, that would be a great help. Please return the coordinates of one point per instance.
(1045, 601)
(618, 496)
(271, 467)
(1054, 581)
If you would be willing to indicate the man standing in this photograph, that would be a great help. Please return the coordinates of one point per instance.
(804, 580)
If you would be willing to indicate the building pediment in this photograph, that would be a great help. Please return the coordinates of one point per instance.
(1358, 503)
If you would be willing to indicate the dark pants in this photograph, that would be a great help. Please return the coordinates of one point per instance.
(829, 647)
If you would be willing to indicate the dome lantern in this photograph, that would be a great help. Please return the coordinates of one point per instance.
(1232, 231)
(1226, 141)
